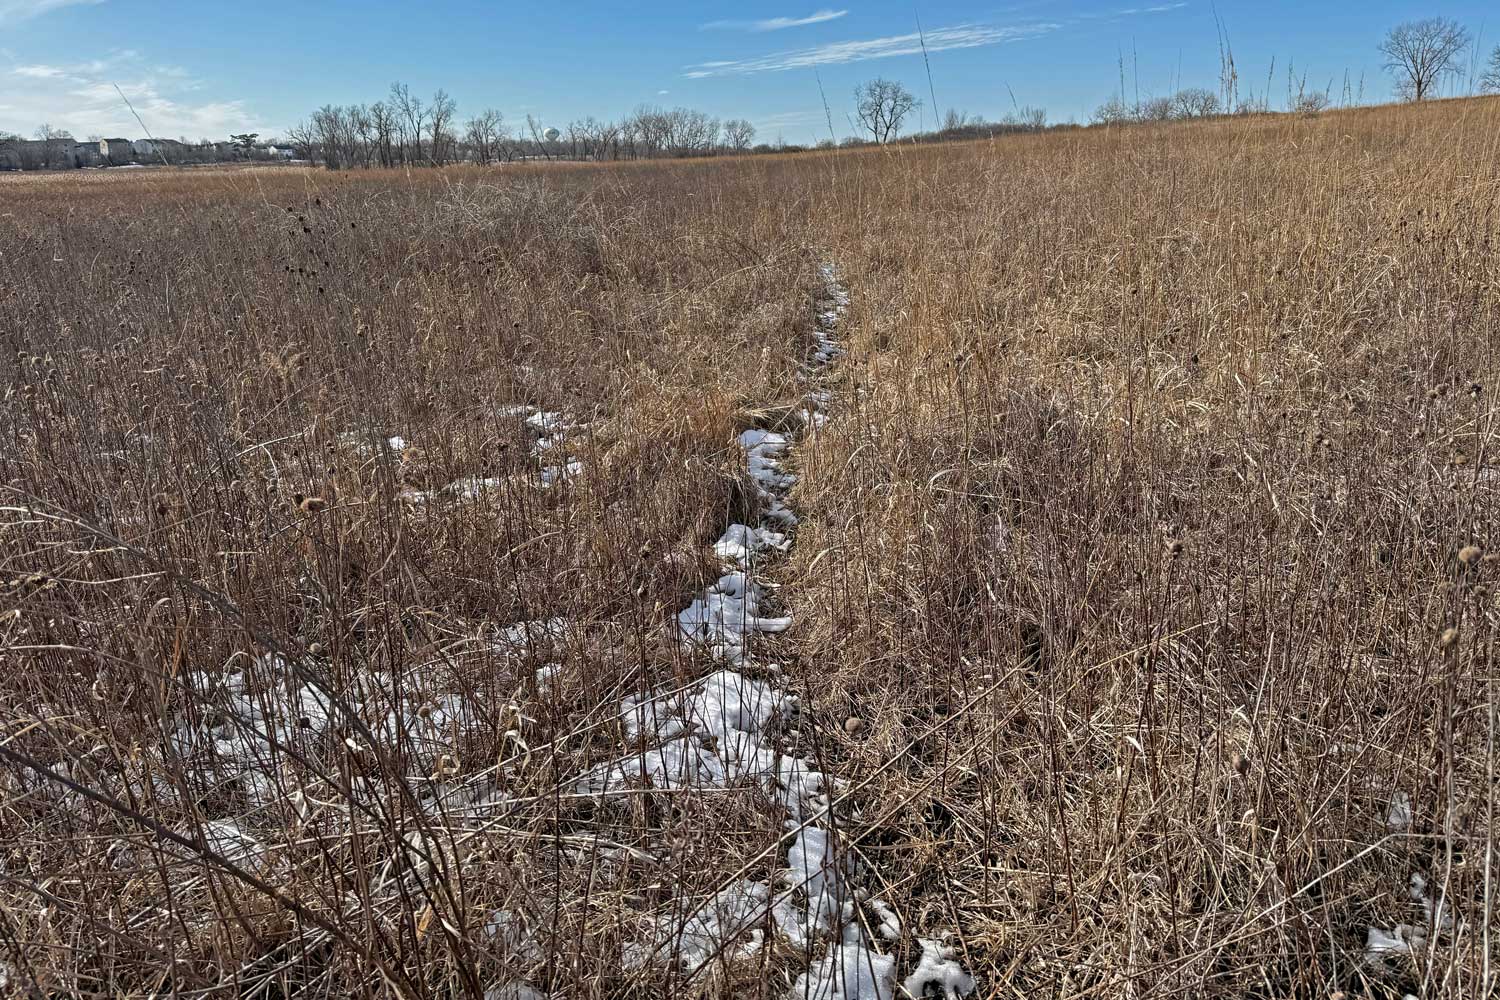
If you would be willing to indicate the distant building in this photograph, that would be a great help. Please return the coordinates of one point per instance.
(158, 150)
(115, 152)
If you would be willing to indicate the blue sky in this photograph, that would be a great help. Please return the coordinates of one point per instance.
(203, 69)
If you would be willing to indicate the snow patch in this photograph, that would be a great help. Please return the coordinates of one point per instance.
(1408, 939)
(1399, 816)
(513, 991)
(938, 970)
(848, 972)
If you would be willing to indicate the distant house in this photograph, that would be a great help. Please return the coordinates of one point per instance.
(159, 150)
(115, 152)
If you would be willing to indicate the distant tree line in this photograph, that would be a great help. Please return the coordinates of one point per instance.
(1198, 102)
(405, 130)
(1419, 56)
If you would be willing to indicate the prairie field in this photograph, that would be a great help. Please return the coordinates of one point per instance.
(1065, 566)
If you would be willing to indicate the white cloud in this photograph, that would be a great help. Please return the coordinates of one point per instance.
(789, 119)
(82, 98)
(12, 11)
(42, 71)
(962, 36)
(777, 23)
(1160, 8)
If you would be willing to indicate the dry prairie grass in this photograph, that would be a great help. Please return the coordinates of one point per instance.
(1149, 542)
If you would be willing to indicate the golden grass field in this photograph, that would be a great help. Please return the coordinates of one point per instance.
(1144, 594)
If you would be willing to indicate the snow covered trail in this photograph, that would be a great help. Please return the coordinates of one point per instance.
(736, 727)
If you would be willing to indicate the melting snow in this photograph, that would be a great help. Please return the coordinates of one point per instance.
(723, 617)
(553, 431)
(848, 972)
(938, 970)
(1407, 939)
(513, 991)
(1399, 816)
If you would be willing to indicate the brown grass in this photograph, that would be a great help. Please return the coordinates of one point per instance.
(1133, 542)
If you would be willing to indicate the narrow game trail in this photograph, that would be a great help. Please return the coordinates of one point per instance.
(738, 726)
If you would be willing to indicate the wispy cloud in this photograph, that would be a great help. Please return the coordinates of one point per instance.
(961, 36)
(12, 11)
(788, 119)
(775, 23)
(1160, 8)
(42, 71)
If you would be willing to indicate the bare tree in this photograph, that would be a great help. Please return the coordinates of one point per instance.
(1112, 112)
(882, 105)
(608, 137)
(689, 132)
(366, 127)
(1195, 102)
(1420, 53)
(1032, 119)
(535, 128)
(738, 134)
(335, 130)
(1490, 82)
(304, 141)
(57, 147)
(383, 124)
(649, 128)
(1312, 102)
(600, 139)
(1154, 109)
(411, 118)
(483, 133)
(440, 113)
